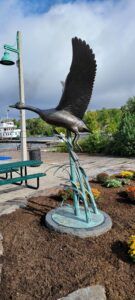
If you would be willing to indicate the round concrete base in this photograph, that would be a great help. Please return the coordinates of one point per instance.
(62, 220)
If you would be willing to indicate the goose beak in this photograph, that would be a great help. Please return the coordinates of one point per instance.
(13, 106)
(16, 105)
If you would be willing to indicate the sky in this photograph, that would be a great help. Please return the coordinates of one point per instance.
(47, 28)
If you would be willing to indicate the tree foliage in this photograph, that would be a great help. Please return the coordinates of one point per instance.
(124, 140)
(91, 120)
(37, 126)
(112, 131)
(130, 105)
(95, 143)
(105, 120)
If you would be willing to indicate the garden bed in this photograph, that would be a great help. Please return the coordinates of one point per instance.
(42, 264)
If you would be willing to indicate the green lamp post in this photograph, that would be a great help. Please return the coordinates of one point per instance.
(6, 60)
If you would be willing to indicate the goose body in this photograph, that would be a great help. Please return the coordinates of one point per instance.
(58, 118)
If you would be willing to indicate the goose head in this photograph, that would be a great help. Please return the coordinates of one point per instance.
(17, 105)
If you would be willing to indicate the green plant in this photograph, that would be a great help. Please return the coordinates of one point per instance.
(125, 181)
(112, 183)
(66, 194)
(102, 177)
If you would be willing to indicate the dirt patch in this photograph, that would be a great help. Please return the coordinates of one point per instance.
(42, 264)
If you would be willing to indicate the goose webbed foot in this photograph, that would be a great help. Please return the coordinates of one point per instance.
(75, 141)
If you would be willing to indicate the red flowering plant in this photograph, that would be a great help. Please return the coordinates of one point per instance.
(131, 192)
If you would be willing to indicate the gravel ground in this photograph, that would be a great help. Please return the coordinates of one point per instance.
(42, 264)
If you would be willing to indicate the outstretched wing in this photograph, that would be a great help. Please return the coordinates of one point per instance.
(79, 82)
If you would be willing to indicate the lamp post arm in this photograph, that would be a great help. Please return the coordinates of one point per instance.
(10, 48)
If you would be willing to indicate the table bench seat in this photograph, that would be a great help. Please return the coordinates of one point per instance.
(20, 168)
(24, 178)
(6, 171)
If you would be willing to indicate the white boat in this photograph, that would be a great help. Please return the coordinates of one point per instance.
(8, 130)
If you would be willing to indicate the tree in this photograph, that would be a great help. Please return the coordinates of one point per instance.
(103, 118)
(17, 123)
(37, 126)
(90, 119)
(109, 120)
(130, 105)
(124, 140)
(115, 119)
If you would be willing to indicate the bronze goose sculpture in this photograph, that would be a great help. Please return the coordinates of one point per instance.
(76, 94)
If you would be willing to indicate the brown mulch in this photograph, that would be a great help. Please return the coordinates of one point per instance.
(43, 264)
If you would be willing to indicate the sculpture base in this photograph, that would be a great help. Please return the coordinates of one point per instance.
(63, 220)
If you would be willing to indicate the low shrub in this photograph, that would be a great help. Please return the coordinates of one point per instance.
(96, 142)
(112, 183)
(102, 177)
(61, 147)
(126, 174)
(125, 181)
(66, 194)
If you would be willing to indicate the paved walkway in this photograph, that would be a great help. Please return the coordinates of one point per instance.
(12, 196)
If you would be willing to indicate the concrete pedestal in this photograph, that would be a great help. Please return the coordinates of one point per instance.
(63, 220)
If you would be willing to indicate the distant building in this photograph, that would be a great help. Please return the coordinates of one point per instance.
(8, 130)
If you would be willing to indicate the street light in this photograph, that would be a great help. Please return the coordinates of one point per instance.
(8, 62)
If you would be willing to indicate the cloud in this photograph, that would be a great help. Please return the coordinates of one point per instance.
(107, 26)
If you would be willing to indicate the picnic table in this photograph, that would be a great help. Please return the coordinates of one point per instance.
(21, 169)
